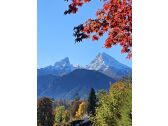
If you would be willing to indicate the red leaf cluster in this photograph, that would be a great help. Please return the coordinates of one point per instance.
(95, 37)
(115, 19)
(73, 7)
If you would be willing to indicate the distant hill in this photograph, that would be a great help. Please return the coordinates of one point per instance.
(44, 82)
(79, 81)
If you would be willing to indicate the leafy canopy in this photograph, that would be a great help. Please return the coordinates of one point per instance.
(115, 107)
(45, 115)
(115, 19)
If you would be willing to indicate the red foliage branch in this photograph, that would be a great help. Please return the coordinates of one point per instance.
(115, 19)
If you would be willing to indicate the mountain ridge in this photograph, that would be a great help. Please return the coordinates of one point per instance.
(59, 68)
(102, 62)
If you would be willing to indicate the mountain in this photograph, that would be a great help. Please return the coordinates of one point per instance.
(64, 80)
(59, 68)
(104, 63)
(78, 81)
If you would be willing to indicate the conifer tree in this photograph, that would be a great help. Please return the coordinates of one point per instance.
(92, 102)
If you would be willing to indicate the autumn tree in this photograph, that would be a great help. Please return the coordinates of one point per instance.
(81, 110)
(92, 100)
(45, 115)
(115, 19)
(115, 107)
(74, 107)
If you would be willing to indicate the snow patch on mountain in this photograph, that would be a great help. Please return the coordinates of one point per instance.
(59, 68)
(103, 63)
(108, 65)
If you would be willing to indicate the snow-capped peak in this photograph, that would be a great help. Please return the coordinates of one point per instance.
(62, 63)
(103, 61)
(105, 58)
(108, 65)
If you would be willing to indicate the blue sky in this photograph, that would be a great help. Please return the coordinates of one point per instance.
(55, 35)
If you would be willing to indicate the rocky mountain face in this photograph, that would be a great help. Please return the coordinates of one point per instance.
(106, 64)
(64, 80)
(59, 68)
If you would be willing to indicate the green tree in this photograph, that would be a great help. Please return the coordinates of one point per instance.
(101, 93)
(115, 107)
(59, 111)
(92, 100)
(62, 115)
(45, 115)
